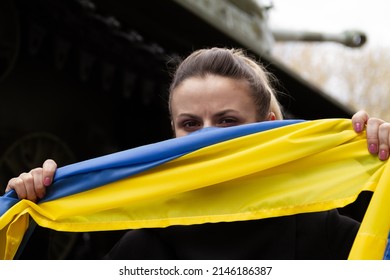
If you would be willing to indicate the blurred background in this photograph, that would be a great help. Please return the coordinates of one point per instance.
(358, 77)
(83, 78)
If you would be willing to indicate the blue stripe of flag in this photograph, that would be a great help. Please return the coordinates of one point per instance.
(89, 174)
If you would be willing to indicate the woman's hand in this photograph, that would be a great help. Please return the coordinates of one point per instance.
(378, 133)
(32, 185)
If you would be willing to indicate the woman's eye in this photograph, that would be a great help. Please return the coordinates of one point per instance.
(191, 124)
(228, 122)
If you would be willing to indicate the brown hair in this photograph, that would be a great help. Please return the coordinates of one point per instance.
(231, 63)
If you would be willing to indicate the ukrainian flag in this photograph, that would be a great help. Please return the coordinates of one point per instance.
(252, 171)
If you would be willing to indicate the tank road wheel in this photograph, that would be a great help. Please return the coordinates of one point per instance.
(29, 152)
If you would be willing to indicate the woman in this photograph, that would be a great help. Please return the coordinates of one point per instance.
(220, 88)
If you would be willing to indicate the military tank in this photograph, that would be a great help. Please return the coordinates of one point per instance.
(83, 78)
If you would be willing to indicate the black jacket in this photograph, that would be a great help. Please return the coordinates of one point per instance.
(323, 235)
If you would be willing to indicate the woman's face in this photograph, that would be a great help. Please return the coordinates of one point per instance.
(211, 101)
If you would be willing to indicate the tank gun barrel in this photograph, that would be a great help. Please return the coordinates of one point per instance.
(349, 38)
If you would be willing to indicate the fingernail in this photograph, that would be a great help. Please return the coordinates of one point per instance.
(373, 148)
(358, 127)
(383, 155)
(47, 181)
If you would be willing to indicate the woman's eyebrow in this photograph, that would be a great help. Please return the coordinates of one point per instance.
(187, 115)
(218, 114)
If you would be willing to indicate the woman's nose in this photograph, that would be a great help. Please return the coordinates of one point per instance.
(207, 124)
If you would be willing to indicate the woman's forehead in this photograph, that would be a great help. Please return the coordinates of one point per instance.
(211, 84)
(211, 92)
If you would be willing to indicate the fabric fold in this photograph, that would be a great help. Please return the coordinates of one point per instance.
(252, 171)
